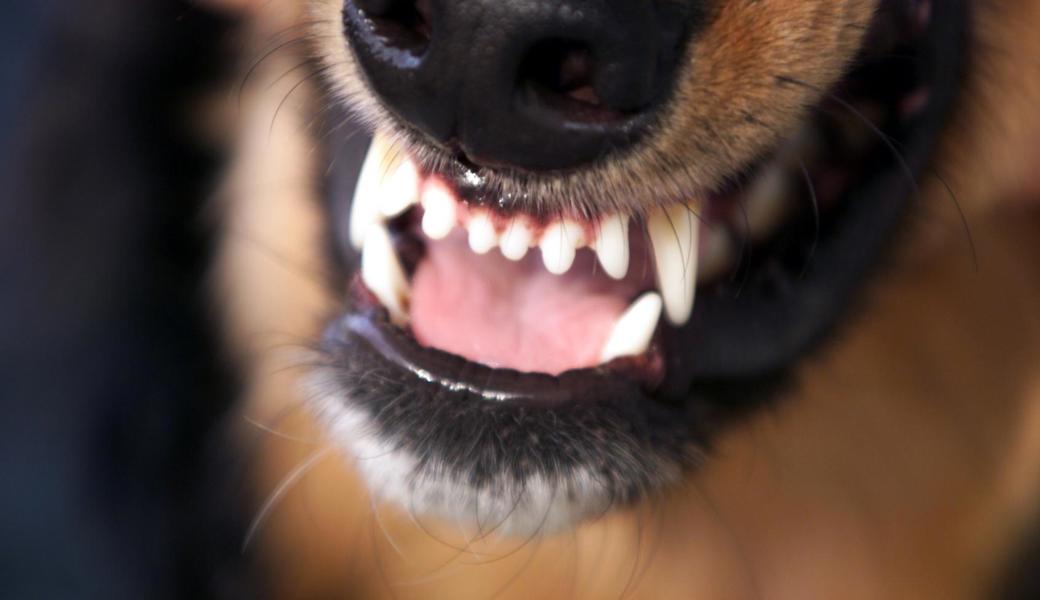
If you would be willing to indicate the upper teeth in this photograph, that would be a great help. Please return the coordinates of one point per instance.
(364, 212)
(516, 240)
(383, 274)
(482, 235)
(388, 186)
(559, 242)
(438, 211)
(674, 236)
(403, 190)
(611, 246)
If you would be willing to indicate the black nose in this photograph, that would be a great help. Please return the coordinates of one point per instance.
(525, 84)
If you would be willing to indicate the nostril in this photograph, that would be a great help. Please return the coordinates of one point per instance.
(531, 85)
(404, 25)
(558, 74)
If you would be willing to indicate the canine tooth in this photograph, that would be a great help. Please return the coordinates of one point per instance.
(365, 208)
(482, 235)
(673, 234)
(558, 245)
(516, 240)
(382, 273)
(634, 328)
(438, 211)
(402, 190)
(611, 246)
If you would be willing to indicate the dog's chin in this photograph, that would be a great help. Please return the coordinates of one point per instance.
(445, 385)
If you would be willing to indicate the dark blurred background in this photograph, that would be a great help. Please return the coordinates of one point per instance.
(116, 480)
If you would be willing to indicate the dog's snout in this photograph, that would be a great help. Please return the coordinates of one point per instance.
(522, 84)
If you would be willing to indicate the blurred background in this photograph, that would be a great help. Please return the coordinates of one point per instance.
(111, 484)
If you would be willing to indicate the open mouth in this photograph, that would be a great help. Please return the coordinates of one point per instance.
(518, 292)
(515, 358)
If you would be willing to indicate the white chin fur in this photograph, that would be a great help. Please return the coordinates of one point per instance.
(506, 507)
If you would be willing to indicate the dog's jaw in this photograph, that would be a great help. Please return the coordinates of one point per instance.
(505, 505)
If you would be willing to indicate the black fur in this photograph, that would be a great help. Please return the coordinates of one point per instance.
(117, 477)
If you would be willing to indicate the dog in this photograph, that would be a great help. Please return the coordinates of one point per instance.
(662, 299)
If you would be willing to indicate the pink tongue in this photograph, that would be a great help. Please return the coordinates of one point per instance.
(516, 315)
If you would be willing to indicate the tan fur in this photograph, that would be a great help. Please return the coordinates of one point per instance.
(904, 464)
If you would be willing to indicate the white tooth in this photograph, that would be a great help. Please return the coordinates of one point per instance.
(365, 209)
(516, 240)
(558, 244)
(611, 246)
(383, 275)
(438, 211)
(575, 233)
(402, 190)
(634, 329)
(482, 235)
(673, 233)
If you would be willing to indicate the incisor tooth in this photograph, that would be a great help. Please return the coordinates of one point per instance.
(558, 244)
(383, 275)
(365, 208)
(611, 246)
(438, 211)
(401, 190)
(515, 240)
(482, 236)
(634, 329)
(673, 233)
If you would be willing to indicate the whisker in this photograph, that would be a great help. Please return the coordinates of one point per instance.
(742, 271)
(253, 68)
(885, 139)
(972, 248)
(816, 219)
(319, 277)
(279, 493)
(285, 100)
(281, 434)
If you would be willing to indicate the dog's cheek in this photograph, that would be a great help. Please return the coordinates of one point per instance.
(1031, 191)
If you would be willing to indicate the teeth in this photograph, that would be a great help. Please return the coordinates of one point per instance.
(382, 273)
(438, 211)
(402, 190)
(611, 246)
(634, 329)
(482, 236)
(558, 244)
(516, 240)
(673, 233)
(365, 209)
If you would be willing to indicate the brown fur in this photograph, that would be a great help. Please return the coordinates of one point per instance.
(904, 464)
